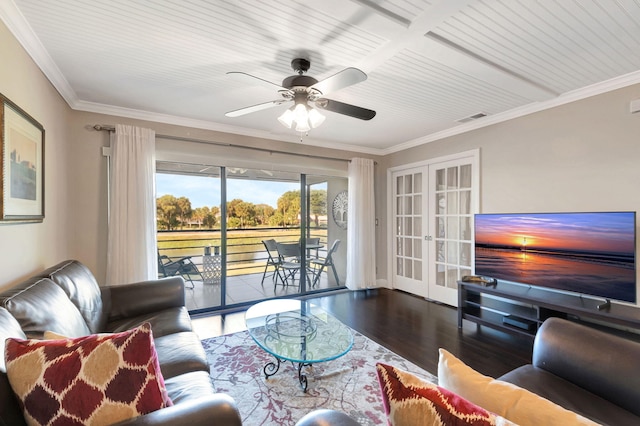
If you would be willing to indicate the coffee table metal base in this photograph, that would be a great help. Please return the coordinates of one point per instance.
(272, 368)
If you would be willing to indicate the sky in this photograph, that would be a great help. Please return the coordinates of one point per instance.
(205, 191)
(612, 232)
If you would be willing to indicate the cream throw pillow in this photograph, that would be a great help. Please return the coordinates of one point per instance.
(505, 399)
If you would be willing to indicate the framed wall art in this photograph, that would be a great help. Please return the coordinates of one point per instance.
(21, 166)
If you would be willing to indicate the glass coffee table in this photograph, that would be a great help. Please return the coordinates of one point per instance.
(297, 331)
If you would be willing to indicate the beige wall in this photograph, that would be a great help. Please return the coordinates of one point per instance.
(27, 248)
(583, 156)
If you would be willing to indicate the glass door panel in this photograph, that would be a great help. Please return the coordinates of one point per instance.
(327, 227)
(409, 266)
(452, 225)
(189, 230)
(261, 205)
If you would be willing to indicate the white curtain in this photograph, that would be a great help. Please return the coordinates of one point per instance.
(361, 226)
(132, 252)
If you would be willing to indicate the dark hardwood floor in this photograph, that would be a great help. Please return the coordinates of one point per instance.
(415, 328)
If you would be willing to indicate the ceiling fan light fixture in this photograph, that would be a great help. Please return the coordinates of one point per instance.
(286, 119)
(315, 118)
(304, 117)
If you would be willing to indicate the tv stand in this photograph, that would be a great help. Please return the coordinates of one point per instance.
(521, 309)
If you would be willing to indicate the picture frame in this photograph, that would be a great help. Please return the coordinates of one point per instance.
(21, 165)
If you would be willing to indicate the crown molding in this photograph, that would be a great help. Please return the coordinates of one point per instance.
(22, 31)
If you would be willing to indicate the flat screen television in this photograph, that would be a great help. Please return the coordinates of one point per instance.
(586, 253)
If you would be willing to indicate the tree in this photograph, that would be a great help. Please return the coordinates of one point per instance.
(184, 211)
(167, 212)
(318, 204)
(289, 208)
(244, 211)
(263, 213)
(199, 214)
(211, 218)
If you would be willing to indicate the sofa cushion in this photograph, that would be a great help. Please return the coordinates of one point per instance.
(96, 379)
(164, 322)
(39, 304)
(409, 400)
(505, 399)
(188, 386)
(180, 353)
(82, 289)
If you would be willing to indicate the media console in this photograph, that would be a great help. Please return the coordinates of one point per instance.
(521, 309)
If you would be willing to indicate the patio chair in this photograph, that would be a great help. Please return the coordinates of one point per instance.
(289, 254)
(183, 266)
(318, 265)
(313, 245)
(273, 260)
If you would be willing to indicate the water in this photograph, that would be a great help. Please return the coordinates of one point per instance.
(606, 276)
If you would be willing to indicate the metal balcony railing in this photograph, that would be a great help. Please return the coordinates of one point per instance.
(245, 252)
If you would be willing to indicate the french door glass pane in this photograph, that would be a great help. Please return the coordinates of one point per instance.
(408, 184)
(408, 245)
(441, 203)
(408, 222)
(417, 204)
(417, 270)
(417, 248)
(452, 178)
(452, 202)
(408, 204)
(465, 202)
(452, 228)
(465, 176)
(417, 227)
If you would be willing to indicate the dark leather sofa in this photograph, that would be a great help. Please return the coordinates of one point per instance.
(585, 370)
(66, 299)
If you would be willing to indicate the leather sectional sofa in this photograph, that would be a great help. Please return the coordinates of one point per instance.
(585, 370)
(67, 300)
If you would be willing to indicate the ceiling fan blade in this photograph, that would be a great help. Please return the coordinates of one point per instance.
(346, 109)
(254, 108)
(252, 79)
(345, 78)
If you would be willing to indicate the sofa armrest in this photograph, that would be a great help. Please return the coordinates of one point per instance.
(602, 363)
(129, 300)
(325, 417)
(219, 409)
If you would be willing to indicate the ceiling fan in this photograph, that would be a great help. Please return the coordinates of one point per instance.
(305, 91)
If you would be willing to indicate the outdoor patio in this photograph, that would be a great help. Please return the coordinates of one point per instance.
(242, 289)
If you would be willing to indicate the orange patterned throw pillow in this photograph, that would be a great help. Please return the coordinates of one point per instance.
(96, 379)
(408, 400)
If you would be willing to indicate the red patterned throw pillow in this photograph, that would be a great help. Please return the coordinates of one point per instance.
(408, 400)
(96, 379)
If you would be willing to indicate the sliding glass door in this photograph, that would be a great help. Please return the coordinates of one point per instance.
(223, 219)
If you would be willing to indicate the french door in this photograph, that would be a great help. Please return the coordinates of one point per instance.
(433, 206)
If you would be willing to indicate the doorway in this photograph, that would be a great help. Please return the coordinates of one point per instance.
(432, 207)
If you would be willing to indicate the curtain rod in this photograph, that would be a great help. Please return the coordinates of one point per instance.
(108, 128)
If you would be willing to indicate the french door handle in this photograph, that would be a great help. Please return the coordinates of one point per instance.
(428, 238)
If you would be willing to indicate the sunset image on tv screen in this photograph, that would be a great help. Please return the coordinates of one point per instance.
(591, 253)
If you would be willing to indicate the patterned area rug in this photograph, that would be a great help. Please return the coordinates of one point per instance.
(348, 384)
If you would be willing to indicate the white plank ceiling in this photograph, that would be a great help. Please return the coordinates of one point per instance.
(429, 63)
